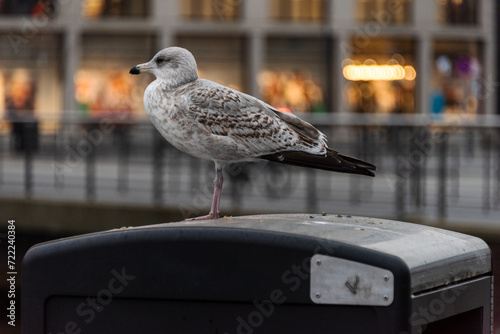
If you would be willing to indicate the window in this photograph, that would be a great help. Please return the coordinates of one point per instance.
(296, 73)
(385, 12)
(381, 76)
(28, 8)
(93, 9)
(220, 59)
(211, 10)
(457, 72)
(30, 80)
(298, 10)
(103, 88)
(458, 12)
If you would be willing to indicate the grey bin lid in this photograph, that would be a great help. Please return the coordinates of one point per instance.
(435, 257)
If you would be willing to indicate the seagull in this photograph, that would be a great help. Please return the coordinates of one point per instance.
(214, 122)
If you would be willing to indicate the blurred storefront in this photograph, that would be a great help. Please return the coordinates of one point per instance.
(457, 74)
(295, 74)
(71, 59)
(458, 12)
(394, 13)
(204, 10)
(299, 10)
(106, 9)
(220, 58)
(30, 87)
(103, 88)
(381, 76)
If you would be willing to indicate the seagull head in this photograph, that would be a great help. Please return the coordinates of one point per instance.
(175, 65)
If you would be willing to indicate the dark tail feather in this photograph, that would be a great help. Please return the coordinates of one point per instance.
(331, 162)
(358, 162)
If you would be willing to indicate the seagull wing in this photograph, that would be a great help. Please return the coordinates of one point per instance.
(252, 123)
(267, 133)
(331, 161)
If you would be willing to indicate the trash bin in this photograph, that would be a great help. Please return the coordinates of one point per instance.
(295, 273)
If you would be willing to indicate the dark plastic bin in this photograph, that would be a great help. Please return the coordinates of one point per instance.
(261, 274)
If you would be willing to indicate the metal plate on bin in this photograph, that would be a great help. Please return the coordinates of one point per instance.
(342, 282)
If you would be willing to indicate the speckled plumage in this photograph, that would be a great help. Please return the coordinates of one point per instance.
(211, 121)
(214, 122)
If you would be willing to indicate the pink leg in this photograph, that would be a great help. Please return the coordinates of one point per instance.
(214, 212)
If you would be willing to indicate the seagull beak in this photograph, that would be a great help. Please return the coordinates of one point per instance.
(138, 69)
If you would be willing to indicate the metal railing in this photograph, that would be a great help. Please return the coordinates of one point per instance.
(426, 169)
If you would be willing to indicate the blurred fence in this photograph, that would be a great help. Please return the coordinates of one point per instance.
(428, 169)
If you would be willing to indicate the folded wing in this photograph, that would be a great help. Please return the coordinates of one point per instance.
(267, 133)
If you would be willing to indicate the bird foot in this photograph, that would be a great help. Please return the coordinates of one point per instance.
(209, 216)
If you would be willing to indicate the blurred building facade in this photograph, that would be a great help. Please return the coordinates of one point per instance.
(61, 58)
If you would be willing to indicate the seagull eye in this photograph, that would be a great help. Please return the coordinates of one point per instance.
(161, 60)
